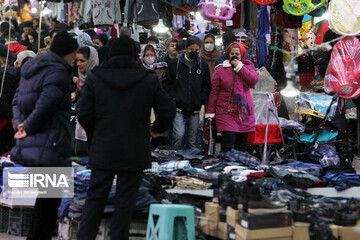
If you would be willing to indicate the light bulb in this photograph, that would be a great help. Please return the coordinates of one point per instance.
(33, 10)
(160, 28)
(290, 90)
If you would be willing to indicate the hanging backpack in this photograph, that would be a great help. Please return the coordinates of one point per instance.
(345, 17)
(343, 73)
(217, 10)
(301, 7)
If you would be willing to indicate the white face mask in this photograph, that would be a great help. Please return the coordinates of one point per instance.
(149, 60)
(209, 47)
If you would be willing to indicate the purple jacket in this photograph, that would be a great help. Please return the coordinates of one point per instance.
(220, 95)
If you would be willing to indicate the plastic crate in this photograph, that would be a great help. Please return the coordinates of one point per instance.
(19, 221)
(4, 219)
(67, 229)
(138, 227)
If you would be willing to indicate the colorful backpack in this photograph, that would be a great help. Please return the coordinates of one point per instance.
(264, 2)
(217, 10)
(343, 73)
(301, 7)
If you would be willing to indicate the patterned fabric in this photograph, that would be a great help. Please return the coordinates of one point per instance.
(205, 176)
(83, 175)
(174, 165)
(191, 183)
(242, 157)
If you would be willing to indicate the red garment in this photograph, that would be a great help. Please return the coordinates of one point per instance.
(16, 47)
(257, 175)
(220, 95)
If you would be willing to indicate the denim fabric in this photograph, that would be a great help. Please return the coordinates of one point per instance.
(242, 157)
(342, 181)
(205, 176)
(282, 171)
(190, 153)
(184, 131)
(313, 169)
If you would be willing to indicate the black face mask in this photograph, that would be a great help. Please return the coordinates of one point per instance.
(193, 55)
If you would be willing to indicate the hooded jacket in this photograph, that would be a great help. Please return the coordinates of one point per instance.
(101, 12)
(221, 92)
(114, 109)
(189, 88)
(16, 47)
(42, 102)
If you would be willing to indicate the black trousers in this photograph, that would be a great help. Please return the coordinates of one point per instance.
(127, 187)
(44, 218)
(230, 140)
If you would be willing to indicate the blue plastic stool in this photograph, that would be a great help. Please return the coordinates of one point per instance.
(166, 222)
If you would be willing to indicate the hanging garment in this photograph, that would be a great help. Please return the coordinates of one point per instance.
(55, 9)
(102, 12)
(63, 12)
(178, 21)
(264, 34)
(141, 12)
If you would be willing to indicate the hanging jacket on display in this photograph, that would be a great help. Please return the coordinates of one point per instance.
(142, 12)
(102, 12)
(187, 3)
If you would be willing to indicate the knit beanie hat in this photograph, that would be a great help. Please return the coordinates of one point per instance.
(63, 44)
(123, 46)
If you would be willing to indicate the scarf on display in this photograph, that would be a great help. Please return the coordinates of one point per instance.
(237, 102)
(156, 64)
(93, 62)
(209, 57)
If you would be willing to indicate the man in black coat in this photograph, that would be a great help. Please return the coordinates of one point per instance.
(41, 109)
(114, 109)
(188, 82)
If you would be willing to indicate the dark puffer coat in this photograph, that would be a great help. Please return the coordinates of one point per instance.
(42, 102)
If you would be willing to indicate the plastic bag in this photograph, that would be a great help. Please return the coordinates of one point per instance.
(343, 72)
(266, 82)
(263, 102)
(80, 133)
(329, 154)
(315, 104)
(209, 136)
(345, 17)
(291, 124)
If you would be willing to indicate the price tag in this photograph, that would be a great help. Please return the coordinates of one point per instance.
(229, 23)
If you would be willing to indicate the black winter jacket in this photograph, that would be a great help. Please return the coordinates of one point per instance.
(42, 102)
(189, 88)
(114, 109)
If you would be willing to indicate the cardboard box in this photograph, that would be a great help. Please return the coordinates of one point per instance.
(268, 234)
(231, 233)
(222, 231)
(302, 232)
(204, 224)
(232, 216)
(348, 233)
(275, 220)
(212, 211)
(213, 228)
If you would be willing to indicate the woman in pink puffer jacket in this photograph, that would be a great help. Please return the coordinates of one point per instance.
(230, 100)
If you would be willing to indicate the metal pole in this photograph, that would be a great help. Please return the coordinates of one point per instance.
(39, 33)
(358, 125)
